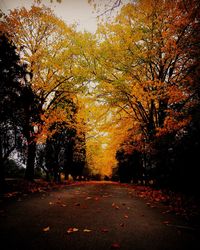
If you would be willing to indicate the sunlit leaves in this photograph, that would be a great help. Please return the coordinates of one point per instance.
(53, 53)
(136, 75)
(147, 77)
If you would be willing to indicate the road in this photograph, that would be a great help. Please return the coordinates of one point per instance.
(94, 216)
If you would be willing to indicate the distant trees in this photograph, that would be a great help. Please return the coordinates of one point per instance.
(64, 153)
(130, 167)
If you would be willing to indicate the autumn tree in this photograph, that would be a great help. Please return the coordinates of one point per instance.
(65, 148)
(47, 44)
(150, 77)
(106, 8)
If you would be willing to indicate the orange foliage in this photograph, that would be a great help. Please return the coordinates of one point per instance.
(148, 81)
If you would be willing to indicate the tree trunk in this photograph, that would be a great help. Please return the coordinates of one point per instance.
(29, 173)
(2, 170)
(66, 173)
(57, 177)
(162, 111)
(2, 176)
(47, 176)
(151, 123)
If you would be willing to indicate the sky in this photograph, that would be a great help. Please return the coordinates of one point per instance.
(70, 11)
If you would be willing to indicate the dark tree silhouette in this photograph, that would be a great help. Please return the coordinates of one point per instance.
(130, 167)
(12, 78)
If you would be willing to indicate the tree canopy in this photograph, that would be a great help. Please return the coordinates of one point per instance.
(124, 98)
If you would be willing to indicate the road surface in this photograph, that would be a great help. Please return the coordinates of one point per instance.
(93, 216)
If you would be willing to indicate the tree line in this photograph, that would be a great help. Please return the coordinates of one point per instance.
(145, 66)
(38, 94)
(150, 60)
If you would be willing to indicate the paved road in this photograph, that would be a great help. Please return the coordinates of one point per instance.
(116, 218)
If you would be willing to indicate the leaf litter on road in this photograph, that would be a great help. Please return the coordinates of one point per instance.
(104, 230)
(115, 246)
(58, 202)
(115, 206)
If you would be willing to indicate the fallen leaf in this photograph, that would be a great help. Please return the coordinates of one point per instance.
(167, 211)
(115, 245)
(166, 222)
(58, 202)
(86, 230)
(46, 229)
(126, 216)
(88, 198)
(72, 230)
(115, 206)
(77, 204)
